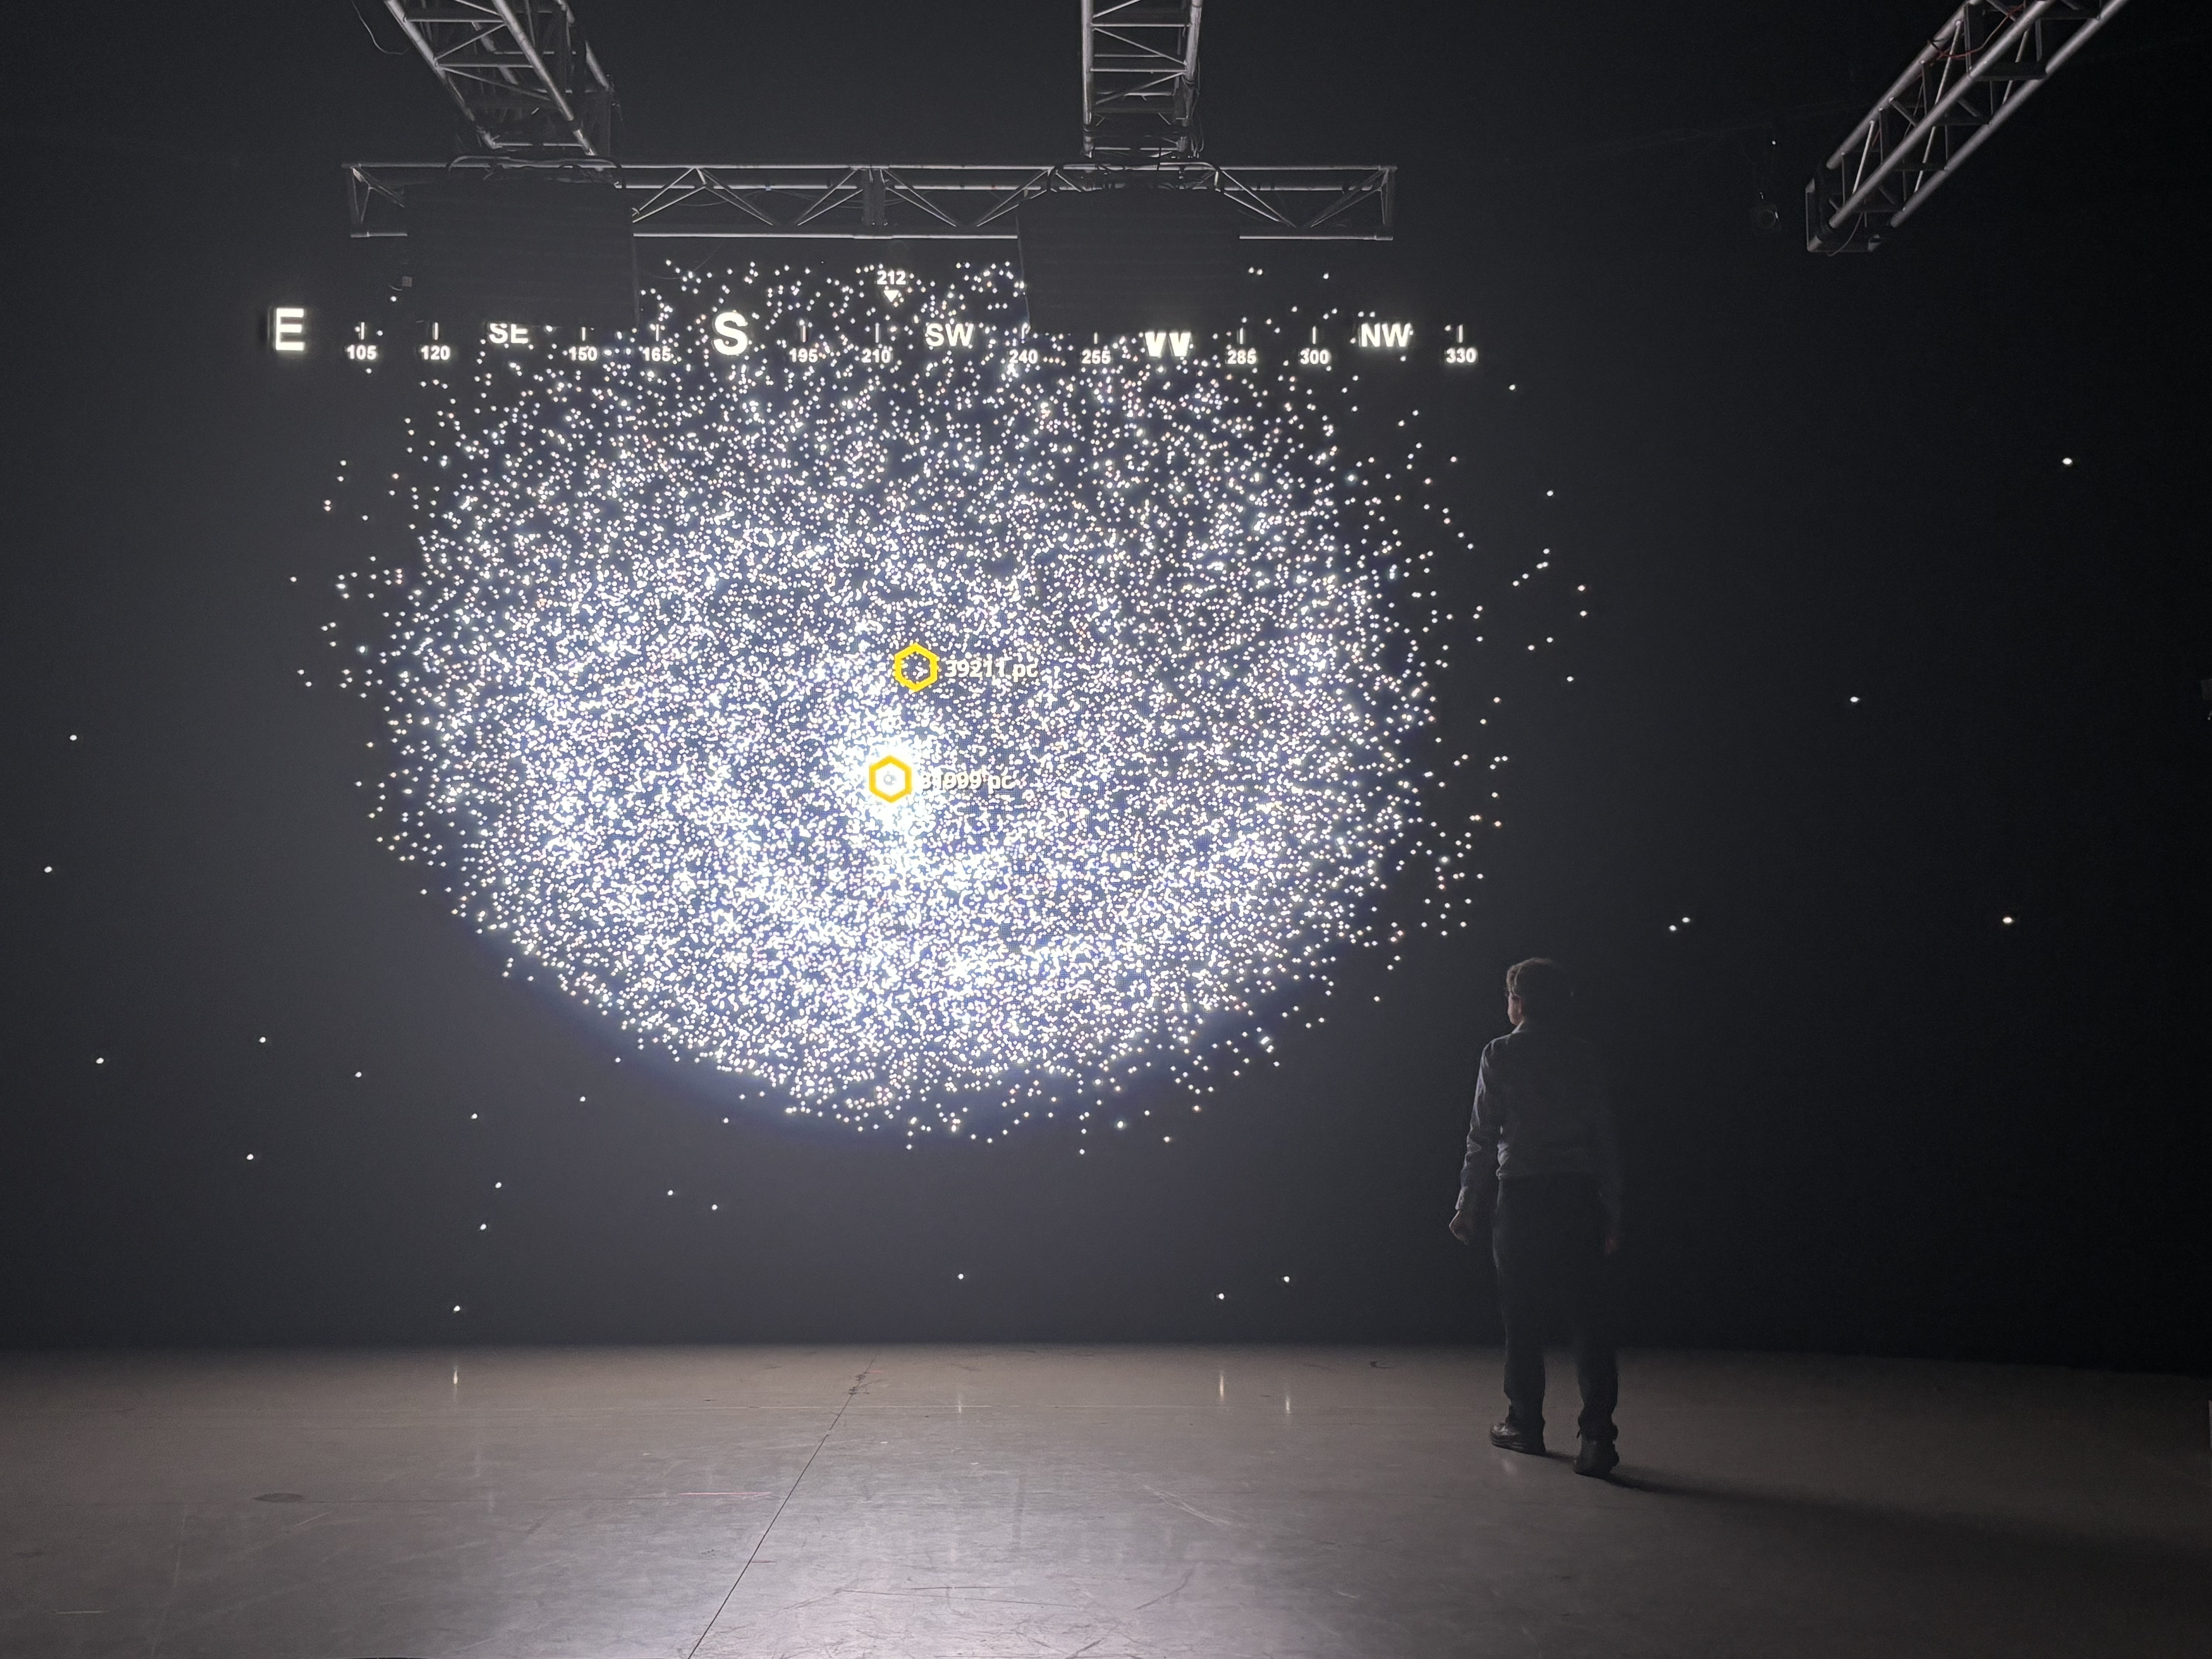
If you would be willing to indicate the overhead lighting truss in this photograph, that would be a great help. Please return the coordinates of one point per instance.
(523, 74)
(920, 203)
(1966, 83)
(520, 70)
(1141, 80)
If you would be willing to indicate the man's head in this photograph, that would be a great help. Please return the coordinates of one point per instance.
(1537, 989)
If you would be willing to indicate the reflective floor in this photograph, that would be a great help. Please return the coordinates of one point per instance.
(738, 1502)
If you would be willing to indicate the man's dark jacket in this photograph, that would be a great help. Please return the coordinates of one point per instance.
(1541, 1108)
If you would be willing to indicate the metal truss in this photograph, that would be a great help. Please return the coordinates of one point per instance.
(1141, 80)
(520, 70)
(926, 202)
(1982, 65)
(522, 73)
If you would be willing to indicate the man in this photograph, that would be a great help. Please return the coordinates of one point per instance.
(1541, 1154)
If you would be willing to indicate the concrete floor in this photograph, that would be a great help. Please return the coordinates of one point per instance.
(740, 1503)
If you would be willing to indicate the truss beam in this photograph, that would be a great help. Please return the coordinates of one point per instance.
(520, 71)
(1982, 66)
(1141, 80)
(859, 201)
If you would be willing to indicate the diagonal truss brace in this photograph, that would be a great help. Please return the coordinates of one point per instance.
(1982, 65)
(520, 70)
(1140, 79)
(926, 203)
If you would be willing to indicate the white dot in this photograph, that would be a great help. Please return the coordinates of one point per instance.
(2008, 921)
(1221, 1296)
(2065, 461)
(249, 1157)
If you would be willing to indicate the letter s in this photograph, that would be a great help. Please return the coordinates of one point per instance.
(730, 337)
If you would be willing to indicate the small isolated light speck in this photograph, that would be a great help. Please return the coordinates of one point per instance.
(2066, 460)
(1854, 699)
(456, 1307)
(1221, 1296)
(2007, 920)
(249, 1157)
(960, 1275)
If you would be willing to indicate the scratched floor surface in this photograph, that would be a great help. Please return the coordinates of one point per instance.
(946, 1502)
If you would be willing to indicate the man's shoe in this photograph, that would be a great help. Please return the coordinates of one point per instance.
(1597, 1457)
(1507, 1437)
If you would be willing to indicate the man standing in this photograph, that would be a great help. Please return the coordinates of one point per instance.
(1543, 1171)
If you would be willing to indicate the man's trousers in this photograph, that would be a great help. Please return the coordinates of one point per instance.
(1547, 1237)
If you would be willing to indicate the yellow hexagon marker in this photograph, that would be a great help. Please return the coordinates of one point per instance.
(890, 779)
(927, 678)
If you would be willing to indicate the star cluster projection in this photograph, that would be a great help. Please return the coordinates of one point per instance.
(921, 722)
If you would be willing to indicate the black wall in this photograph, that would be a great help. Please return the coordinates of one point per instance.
(1862, 1113)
